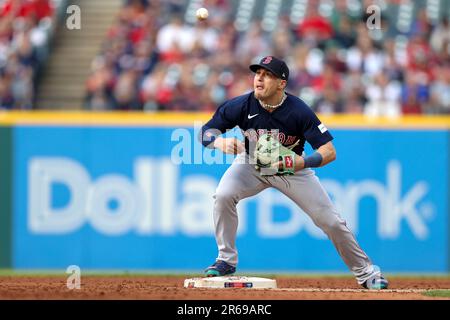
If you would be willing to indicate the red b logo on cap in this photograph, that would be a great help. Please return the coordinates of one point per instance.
(267, 60)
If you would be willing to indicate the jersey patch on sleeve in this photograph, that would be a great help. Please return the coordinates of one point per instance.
(322, 128)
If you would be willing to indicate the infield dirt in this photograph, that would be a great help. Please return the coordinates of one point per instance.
(171, 288)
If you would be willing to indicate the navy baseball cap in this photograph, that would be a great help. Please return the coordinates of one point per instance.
(276, 66)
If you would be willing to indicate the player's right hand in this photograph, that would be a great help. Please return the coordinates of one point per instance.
(229, 145)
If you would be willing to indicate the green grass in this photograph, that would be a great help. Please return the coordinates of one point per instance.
(438, 293)
(165, 273)
(198, 273)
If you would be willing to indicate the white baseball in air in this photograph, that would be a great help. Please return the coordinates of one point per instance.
(202, 14)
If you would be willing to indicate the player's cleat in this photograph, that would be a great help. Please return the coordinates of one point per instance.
(220, 268)
(377, 282)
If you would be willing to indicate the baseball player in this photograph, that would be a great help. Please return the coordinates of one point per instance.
(266, 113)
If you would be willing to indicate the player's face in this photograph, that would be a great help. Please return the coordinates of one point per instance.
(266, 85)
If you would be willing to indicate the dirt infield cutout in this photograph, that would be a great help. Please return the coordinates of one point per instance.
(165, 287)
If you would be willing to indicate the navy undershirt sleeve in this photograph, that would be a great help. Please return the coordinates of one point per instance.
(225, 118)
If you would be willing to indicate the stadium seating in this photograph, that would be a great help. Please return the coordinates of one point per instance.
(338, 64)
(26, 32)
(156, 56)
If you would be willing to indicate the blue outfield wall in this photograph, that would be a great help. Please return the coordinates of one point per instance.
(116, 198)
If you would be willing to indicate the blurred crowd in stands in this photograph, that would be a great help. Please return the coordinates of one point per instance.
(25, 28)
(154, 60)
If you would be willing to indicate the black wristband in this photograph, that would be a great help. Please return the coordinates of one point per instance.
(314, 160)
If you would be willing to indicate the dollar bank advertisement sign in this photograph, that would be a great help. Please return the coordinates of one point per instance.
(142, 198)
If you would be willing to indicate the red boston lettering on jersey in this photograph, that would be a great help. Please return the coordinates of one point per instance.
(288, 161)
(281, 137)
(290, 140)
(267, 60)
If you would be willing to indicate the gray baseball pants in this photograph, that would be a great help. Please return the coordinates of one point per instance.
(242, 180)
